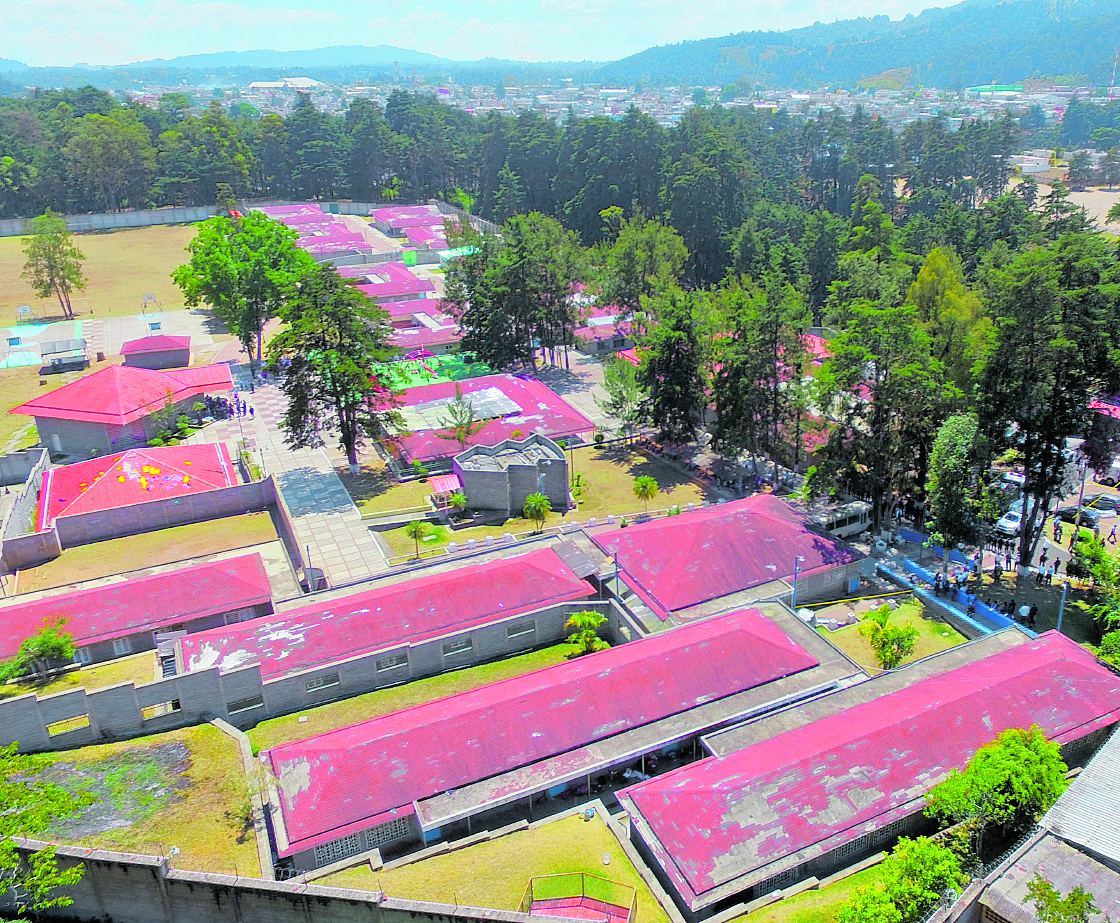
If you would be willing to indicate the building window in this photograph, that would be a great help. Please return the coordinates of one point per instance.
(337, 849)
(386, 833)
(521, 629)
(461, 646)
(122, 646)
(392, 662)
(242, 705)
(84, 655)
(322, 682)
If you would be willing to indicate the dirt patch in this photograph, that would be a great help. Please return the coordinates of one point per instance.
(128, 787)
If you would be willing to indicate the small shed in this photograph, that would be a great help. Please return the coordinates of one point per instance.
(157, 352)
(64, 355)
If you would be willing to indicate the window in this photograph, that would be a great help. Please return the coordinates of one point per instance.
(68, 724)
(84, 655)
(385, 833)
(322, 682)
(158, 711)
(242, 705)
(337, 849)
(461, 646)
(521, 629)
(392, 662)
(122, 646)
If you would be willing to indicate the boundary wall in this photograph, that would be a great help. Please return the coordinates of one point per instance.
(127, 888)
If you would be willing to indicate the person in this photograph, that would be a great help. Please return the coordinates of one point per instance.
(1049, 575)
(1038, 576)
(1032, 614)
(1112, 535)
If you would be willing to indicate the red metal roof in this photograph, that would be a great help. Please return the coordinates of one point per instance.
(135, 476)
(116, 610)
(426, 607)
(840, 777)
(120, 394)
(707, 553)
(540, 411)
(156, 344)
(347, 779)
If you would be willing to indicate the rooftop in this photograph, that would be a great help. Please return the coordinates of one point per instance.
(737, 819)
(136, 476)
(387, 615)
(723, 549)
(120, 394)
(142, 603)
(156, 344)
(349, 779)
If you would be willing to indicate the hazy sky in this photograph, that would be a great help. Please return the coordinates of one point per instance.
(65, 32)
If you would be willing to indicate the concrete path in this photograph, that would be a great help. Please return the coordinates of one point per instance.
(327, 524)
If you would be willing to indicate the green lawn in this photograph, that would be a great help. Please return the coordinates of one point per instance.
(120, 267)
(137, 668)
(278, 731)
(496, 873)
(375, 490)
(934, 636)
(412, 373)
(165, 546)
(814, 906)
(206, 818)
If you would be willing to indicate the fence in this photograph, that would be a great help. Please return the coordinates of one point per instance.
(569, 885)
(21, 516)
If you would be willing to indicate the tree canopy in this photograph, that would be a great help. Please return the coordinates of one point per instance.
(54, 262)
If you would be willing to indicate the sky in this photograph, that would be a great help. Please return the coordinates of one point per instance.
(68, 32)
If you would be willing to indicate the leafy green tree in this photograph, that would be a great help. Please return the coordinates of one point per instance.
(1077, 906)
(671, 373)
(645, 261)
(536, 507)
(28, 806)
(645, 489)
(416, 530)
(583, 628)
(891, 644)
(914, 877)
(1006, 786)
(333, 339)
(869, 905)
(54, 262)
(1109, 651)
(245, 269)
(1081, 172)
(113, 155)
(954, 470)
(624, 394)
(459, 419)
(50, 646)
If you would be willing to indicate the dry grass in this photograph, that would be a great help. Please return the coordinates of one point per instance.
(208, 824)
(933, 637)
(165, 546)
(137, 668)
(283, 730)
(120, 266)
(496, 873)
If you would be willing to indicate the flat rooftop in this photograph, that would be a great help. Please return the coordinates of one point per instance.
(806, 781)
(346, 780)
(527, 455)
(430, 606)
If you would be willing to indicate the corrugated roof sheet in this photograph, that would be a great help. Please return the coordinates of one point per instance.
(119, 394)
(346, 779)
(827, 782)
(425, 607)
(1088, 813)
(156, 344)
(708, 553)
(115, 610)
(135, 476)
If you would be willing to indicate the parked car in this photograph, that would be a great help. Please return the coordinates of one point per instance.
(1085, 517)
(1105, 504)
(1009, 523)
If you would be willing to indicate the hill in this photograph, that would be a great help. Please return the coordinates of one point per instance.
(975, 42)
(336, 56)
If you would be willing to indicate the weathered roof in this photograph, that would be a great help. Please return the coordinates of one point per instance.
(752, 813)
(135, 476)
(120, 394)
(413, 610)
(116, 610)
(708, 553)
(348, 779)
(155, 344)
(1088, 813)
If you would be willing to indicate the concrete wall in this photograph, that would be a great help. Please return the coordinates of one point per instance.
(31, 550)
(165, 359)
(144, 889)
(15, 467)
(85, 440)
(25, 468)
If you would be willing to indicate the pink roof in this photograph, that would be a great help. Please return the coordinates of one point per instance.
(415, 221)
(445, 484)
(119, 394)
(392, 212)
(387, 281)
(116, 610)
(541, 411)
(157, 344)
(289, 211)
(426, 607)
(427, 234)
(722, 549)
(344, 780)
(629, 355)
(816, 346)
(832, 780)
(135, 476)
(1107, 408)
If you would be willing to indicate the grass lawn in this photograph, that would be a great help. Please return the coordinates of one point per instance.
(814, 906)
(120, 266)
(412, 373)
(375, 490)
(933, 636)
(495, 874)
(165, 546)
(283, 730)
(202, 809)
(136, 668)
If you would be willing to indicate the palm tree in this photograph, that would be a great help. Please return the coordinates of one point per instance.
(457, 501)
(416, 530)
(645, 489)
(891, 644)
(537, 507)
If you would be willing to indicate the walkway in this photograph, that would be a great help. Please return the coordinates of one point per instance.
(327, 524)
